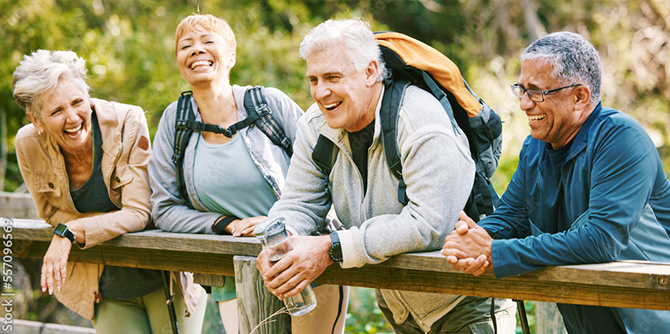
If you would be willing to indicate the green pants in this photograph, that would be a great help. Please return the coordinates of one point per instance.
(146, 314)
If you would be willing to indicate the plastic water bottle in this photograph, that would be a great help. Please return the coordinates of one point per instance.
(276, 243)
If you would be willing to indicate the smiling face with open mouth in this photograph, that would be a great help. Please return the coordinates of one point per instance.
(65, 115)
(204, 56)
(347, 97)
(558, 118)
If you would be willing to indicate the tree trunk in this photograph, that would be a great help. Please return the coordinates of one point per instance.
(3, 149)
(534, 29)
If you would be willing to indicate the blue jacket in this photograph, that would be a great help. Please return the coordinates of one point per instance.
(609, 200)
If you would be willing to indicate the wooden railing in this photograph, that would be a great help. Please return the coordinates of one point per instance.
(633, 284)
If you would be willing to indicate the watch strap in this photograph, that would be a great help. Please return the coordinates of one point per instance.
(63, 231)
(335, 251)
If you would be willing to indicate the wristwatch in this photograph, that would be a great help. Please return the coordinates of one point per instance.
(335, 248)
(63, 231)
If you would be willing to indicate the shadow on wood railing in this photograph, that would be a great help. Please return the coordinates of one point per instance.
(633, 284)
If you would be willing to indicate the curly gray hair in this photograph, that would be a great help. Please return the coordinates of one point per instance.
(574, 60)
(39, 73)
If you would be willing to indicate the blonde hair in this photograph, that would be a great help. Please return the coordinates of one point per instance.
(208, 22)
(39, 73)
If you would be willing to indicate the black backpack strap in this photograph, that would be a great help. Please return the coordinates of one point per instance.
(442, 97)
(323, 156)
(393, 97)
(194, 125)
(261, 115)
(185, 124)
(182, 136)
(169, 301)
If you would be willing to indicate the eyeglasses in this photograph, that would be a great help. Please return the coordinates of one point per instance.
(534, 94)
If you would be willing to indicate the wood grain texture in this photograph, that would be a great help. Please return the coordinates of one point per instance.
(257, 312)
(636, 284)
(17, 205)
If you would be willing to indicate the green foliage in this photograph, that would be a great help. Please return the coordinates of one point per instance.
(530, 316)
(363, 315)
(129, 48)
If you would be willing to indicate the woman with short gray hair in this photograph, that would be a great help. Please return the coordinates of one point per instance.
(84, 161)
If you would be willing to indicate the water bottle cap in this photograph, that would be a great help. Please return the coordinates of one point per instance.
(274, 231)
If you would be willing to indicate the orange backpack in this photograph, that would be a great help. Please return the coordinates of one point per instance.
(412, 62)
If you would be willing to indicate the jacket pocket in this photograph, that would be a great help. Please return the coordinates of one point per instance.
(46, 183)
(121, 176)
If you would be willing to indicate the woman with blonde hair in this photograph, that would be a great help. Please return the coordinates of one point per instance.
(231, 182)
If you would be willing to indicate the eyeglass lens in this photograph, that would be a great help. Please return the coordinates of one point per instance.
(533, 95)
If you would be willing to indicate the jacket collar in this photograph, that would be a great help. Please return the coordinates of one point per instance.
(581, 139)
(238, 95)
(109, 123)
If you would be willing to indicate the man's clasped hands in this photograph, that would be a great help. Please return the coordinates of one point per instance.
(468, 247)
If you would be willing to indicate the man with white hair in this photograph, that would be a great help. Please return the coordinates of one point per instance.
(345, 73)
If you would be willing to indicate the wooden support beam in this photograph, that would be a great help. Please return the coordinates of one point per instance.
(257, 312)
(35, 327)
(18, 205)
(635, 284)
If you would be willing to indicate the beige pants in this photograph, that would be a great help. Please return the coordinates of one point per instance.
(147, 314)
(322, 320)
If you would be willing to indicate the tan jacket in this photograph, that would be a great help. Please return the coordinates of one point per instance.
(127, 148)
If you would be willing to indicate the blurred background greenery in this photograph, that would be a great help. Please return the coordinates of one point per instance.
(128, 45)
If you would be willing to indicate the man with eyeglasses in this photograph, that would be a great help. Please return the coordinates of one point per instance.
(589, 188)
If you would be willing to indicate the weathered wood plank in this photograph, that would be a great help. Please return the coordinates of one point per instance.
(219, 264)
(38, 230)
(18, 205)
(34, 327)
(523, 287)
(636, 284)
(257, 312)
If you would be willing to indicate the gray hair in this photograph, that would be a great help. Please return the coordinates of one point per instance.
(574, 60)
(39, 73)
(353, 34)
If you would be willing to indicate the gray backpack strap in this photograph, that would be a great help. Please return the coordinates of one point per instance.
(258, 109)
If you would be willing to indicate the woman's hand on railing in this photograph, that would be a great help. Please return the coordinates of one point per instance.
(245, 227)
(54, 267)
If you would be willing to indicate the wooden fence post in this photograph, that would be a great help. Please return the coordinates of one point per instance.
(255, 304)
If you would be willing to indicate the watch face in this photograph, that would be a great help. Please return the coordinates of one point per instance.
(60, 229)
(63, 231)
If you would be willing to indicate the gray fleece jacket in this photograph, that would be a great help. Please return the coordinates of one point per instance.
(169, 209)
(437, 169)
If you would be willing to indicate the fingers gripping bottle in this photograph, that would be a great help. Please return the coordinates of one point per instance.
(276, 243)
